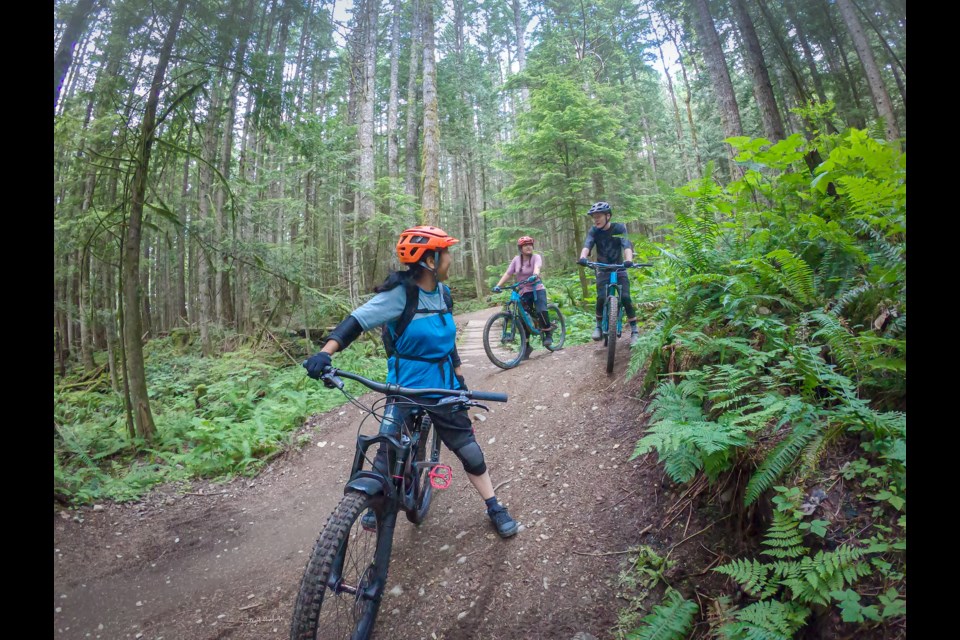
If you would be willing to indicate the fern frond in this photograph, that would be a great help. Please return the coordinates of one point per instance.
(842, 343)
(812, 579)
(784, 537)
(782, 456)
(669, 620)
(892, 253)
(766, 620)
(753, 576)
(848, 296)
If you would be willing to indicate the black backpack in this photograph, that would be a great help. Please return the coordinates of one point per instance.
(409, 310)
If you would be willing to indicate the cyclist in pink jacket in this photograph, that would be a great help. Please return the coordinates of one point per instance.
(526, 267)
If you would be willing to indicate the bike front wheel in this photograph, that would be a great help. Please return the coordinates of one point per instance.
(504, 340)
(560, 332)
(613, 309)
(429, 445)
(345, 577)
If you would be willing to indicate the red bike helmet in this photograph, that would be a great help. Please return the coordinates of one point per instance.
(415, 242)
(524, 240)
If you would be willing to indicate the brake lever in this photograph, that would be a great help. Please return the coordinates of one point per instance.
(333, 380)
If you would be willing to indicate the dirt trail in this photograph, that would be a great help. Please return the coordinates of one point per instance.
(226, 564)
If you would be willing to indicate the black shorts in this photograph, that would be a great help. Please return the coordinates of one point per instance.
(454, 428)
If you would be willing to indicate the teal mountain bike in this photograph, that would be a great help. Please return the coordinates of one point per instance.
(612, 318)
(508, 333)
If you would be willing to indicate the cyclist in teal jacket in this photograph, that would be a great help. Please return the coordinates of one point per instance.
(423, 356)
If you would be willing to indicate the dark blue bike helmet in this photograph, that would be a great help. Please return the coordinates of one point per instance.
(600, 207)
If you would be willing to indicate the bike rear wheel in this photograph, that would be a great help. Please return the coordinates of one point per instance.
(504, 340)
(560, 333)
(429, 446)
(345, 577)
(613, 309)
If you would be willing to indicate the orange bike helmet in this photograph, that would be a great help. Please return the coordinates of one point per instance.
(524, 240)
(416, 241)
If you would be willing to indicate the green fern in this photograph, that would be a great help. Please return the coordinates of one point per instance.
(812, 580)
(842, 343)
(670, 620)
(784, 537)
(752, 575)
(766, 620)
(783, 455)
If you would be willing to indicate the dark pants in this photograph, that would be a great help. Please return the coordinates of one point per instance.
(539, 299)
(603, 279)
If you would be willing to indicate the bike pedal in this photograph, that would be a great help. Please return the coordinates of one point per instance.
(441, 476)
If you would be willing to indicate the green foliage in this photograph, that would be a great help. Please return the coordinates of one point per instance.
(806, 427)
(685, 441)
(804, 578)
(216, 417)
(784, 537)
(670, 620)
(766, 309)
(766, 620)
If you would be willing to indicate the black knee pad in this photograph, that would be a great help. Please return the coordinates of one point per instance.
(472, 458)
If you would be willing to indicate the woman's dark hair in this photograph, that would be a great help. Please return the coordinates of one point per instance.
(397, 278)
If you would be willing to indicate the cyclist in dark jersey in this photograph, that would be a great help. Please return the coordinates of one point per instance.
(424, 356)
(613, 247)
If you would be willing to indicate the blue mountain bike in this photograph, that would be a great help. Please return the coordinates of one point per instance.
(612, 318)
(508, 333)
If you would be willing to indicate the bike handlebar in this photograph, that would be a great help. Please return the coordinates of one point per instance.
(334, 375)
(525, 281)
(617, 267)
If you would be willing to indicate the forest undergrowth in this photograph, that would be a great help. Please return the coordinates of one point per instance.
(775, 359)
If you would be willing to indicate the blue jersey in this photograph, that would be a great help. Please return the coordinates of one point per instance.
(424, 352)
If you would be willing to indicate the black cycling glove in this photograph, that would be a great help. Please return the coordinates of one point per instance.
(317, 364)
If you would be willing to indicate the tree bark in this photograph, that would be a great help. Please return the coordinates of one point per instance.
(133, 347)
(393, 106)
(64, 55)
(722, 86)
(411, 150)
(431, 123)
(881, 99)
(757, 67)
(519, 29)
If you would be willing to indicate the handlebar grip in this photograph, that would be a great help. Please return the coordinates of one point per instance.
(493, 396)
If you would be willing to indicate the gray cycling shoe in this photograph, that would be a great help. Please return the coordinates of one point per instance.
(505, 525)
(547, 339)
(634, 337)
(369, 520)
(597, 334)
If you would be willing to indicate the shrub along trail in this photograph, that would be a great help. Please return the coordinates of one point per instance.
(225, 560)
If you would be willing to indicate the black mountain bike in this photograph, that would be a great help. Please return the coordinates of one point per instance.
(346, 576)
(611, 324)
(508, 332)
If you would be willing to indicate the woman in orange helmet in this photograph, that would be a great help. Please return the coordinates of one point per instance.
(422, 353)
(526, 267)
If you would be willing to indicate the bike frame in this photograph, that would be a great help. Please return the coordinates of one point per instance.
(613, 289)
(517, 304)
(394, 488)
